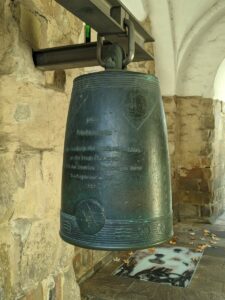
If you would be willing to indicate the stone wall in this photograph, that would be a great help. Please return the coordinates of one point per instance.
(172, 130)
(196, 142)
(34, 262)
(194, 156)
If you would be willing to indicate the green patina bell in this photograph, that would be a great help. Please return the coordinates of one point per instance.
(116, 190)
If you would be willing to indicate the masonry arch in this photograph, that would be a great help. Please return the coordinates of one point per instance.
(201, 54)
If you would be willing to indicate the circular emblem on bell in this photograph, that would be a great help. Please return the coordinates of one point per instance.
(136, 105)
(90, 216)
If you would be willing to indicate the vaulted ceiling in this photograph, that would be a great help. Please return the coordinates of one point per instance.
(189, 42)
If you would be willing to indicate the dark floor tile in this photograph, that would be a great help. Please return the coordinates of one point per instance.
(215, 251)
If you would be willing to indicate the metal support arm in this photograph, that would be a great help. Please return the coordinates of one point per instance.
(107, 18)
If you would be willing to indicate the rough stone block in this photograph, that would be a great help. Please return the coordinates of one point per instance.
(39, 253)
(71, 290)
(191, 105)
(9, 36)
(35, 117)
(187, 210)
(39, 195)
(5, 273)
(193, 197)
(12, 179)
(36, 294)
(197, 178)
(169, 105)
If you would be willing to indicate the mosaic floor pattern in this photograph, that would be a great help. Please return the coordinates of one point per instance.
(169, 265)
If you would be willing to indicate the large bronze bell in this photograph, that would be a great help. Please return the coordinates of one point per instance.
(116, 190)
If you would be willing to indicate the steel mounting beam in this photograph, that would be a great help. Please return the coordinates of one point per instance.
(104, 16)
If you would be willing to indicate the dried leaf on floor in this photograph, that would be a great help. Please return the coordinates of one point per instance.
(215, 237)
(195, 259)
(192, 233)
(173, 241)
(126, 261)
(213, 242)
(116, 259)
(206, 232)
(202, 247)
(151, 250)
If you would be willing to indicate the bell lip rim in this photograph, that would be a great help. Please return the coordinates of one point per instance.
(93, 247)
(116, 71)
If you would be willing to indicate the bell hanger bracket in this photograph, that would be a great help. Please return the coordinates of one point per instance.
(114, 55)
(112, 21)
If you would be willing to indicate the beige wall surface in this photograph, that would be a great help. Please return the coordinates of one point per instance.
(34, 262)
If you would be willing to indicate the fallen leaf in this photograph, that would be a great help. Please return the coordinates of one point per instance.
(126, 261)
(198, 250)
(213, 242)
(151, 250)
(214, 237)
(206, 232)
(173, 241)
(116, 259)
(202, 247)
(192, 233)
(131, 253)
(195, 259)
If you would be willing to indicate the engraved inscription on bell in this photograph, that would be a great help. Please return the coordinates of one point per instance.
(116, 191)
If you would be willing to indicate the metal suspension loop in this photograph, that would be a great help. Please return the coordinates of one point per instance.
(131, 46)
(131, 42)
(99, 51)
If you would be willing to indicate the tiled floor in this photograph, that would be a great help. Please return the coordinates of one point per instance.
(208, 282)
(167, 265)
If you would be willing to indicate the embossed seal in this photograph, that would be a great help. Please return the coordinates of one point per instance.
(138, 107)
(90, 216)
